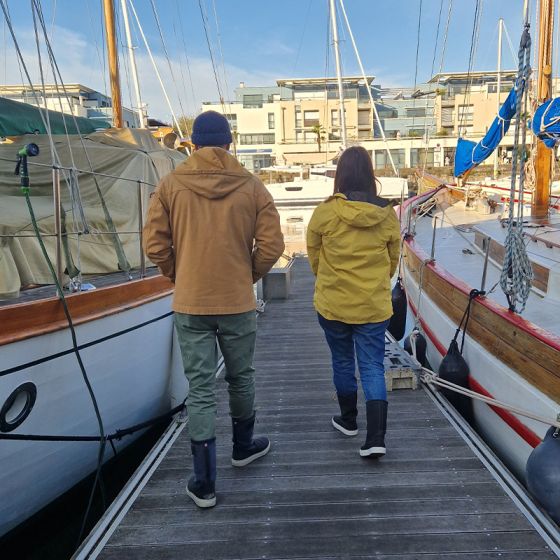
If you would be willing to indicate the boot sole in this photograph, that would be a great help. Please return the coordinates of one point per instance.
(201, 502)
(248, 460)
(343, 430)
(373, 452)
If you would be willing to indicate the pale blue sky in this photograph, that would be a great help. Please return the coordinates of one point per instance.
(263, 40)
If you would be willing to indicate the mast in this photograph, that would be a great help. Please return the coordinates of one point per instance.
(338, 73)
(543, 161)
(134, 70)
(112, 54)
(500, 32)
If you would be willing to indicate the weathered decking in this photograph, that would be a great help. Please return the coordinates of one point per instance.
(313, 496)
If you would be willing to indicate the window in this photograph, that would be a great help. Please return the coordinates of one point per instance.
(270, 121)
(421, 156)
(466, 113)
(310, 118)
(309, 137)
(416, 112)
(382, 159)
(364, 117)
(256, 139)
(298, 117)
(335, 118)
(232, 119)
(252, 101)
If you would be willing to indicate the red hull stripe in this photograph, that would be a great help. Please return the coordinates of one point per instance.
(512, 421)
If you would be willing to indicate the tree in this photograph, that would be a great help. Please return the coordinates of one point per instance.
(319, 132)
(185, 122)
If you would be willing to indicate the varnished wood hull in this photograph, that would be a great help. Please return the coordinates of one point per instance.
(125, 334)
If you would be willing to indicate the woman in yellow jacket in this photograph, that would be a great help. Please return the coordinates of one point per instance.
(353, 242)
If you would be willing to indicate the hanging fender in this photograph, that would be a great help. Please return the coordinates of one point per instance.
(397, 324)
(543, 475)
(455, 369)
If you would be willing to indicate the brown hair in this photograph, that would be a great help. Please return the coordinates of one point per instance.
(354, 172)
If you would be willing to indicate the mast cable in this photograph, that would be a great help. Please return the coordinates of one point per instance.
(168, 60)
(131, 3)
(371, 100)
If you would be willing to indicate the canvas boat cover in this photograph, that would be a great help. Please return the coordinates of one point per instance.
(18, 118)
(97, 203)
(470, 154)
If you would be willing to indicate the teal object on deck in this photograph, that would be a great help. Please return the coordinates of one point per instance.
(17, 119)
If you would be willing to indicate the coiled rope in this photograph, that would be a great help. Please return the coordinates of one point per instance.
(517, 273)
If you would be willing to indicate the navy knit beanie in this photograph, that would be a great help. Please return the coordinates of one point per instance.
(211, 129)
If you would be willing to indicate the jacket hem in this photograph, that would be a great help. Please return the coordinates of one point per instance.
(195, 310)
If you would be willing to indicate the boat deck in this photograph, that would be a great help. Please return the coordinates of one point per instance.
(431, 497)
(455, 251)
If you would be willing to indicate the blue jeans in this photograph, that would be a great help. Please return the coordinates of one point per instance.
(369, 343)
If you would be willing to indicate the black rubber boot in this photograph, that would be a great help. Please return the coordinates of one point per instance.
(374, 446)
(346, 422)
(245, 448)
(201, 488)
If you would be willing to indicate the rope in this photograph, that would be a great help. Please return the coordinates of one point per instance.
(465, 318)
(517, 273)
(431, 378)
(117, 435)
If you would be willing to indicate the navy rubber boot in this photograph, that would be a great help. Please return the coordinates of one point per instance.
(201, 488)
(374, 447)
(346, 422)
(245, 448)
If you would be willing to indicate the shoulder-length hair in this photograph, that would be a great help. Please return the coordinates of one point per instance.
(354, 172)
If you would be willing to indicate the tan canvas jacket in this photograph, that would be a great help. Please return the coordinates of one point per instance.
(213, 229)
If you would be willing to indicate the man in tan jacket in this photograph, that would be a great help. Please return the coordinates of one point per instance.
(213, 229)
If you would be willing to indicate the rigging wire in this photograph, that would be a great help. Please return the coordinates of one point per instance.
(224, 69)
(472, 57)
(426, 130)
(185, 52)
(179, 98)
(216, 78)
(123, 50)
(96, 43)
(183, 81)
(416, 63)
(305, 21)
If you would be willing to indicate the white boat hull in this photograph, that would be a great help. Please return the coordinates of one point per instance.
(136, 374)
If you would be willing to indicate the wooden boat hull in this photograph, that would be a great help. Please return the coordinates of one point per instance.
(134, 367)
(509, 358)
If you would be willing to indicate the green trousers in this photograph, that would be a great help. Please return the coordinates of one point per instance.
(235, 335)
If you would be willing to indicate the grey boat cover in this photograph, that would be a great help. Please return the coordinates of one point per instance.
(101, 204)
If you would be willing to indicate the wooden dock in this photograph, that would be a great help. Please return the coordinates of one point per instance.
(313, 496)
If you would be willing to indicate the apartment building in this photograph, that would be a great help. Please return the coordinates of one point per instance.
(297, 121)
(76, 99)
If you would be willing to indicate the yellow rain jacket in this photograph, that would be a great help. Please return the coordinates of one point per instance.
(353, 250)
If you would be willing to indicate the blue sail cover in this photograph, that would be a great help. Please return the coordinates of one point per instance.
(546, 122)
(470, 154)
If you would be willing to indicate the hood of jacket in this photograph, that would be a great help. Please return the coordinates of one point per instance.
(359, 214)
(212, 172)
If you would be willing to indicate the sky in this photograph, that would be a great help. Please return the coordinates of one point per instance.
(261, 41)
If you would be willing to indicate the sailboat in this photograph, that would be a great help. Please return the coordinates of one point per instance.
(475, 256)
(69, 381)
(319, 184)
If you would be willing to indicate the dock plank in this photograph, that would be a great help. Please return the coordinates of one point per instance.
(313, 496)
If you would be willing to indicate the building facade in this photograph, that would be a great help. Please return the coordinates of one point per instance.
(297, 122)
(75, 99)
